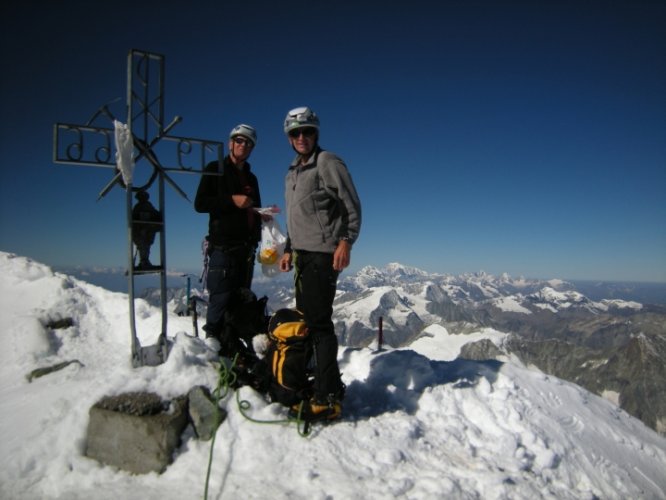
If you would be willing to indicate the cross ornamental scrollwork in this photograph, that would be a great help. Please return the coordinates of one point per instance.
(92, 144)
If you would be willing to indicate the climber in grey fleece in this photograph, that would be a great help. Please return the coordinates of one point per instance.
(323, 222)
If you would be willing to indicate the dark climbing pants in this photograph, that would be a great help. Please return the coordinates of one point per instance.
(315, 283)
(230, 268)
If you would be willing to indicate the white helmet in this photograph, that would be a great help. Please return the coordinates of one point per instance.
(299, 118)
(246, 131)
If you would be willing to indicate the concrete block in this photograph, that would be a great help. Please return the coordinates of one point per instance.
(136, 432)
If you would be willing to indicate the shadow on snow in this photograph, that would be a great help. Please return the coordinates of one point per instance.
(398, 378)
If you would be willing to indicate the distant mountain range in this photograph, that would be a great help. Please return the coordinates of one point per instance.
(114, 279)
(613, 346)
(598, 335)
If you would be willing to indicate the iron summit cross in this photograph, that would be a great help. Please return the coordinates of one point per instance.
(92, 145)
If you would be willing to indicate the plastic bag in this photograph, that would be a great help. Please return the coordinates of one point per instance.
(124, 151)
(271, 247)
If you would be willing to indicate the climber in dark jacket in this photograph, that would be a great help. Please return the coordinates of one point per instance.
(234, 230)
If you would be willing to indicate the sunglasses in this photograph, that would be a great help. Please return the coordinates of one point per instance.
(241, 140)
(305, 132)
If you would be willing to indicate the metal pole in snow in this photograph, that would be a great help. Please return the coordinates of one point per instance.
(380, 333)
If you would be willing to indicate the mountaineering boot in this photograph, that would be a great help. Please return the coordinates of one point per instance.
(314, 410)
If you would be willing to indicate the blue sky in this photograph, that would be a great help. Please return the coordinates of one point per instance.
(519, 137)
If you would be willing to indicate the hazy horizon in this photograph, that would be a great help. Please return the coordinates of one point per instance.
(114, 279)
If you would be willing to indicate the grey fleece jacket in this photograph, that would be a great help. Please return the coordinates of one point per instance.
(322, 204)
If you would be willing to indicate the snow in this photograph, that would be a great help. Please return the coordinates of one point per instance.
(438, 344)
(418, 423)
(613, 396)
(621, 304)
(562, 299)
(510, 304)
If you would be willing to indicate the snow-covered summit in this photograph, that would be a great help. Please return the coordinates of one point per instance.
(548, 298)
(419, 422)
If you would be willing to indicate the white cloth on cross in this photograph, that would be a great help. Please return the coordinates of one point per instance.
(124, 151)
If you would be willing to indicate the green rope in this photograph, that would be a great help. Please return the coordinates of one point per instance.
(244, 405)
(227, 377)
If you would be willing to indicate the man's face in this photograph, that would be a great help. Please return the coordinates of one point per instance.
(303, 139)
(240, 148)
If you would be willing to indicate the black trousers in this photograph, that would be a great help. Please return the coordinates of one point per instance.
(229, 269)
(315, 282)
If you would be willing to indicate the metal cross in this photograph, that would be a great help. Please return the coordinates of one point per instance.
(91, 145)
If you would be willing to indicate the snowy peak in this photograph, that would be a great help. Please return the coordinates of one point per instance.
(552, 300)
(393, 273)
(357, 316)
(404, 272)
(548, 298)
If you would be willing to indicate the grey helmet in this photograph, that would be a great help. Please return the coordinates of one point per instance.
(246, 131)
(299, 118)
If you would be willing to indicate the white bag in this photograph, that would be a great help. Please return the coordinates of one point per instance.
(124, 151)
(271, 247)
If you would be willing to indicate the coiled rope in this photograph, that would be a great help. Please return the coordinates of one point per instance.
(226, 380)
(227, 377)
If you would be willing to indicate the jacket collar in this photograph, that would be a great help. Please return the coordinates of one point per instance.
(229, 164)
(312, 159)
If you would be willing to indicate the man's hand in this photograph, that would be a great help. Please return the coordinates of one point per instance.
(285, 263)
(342, 255)
(242, 201)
